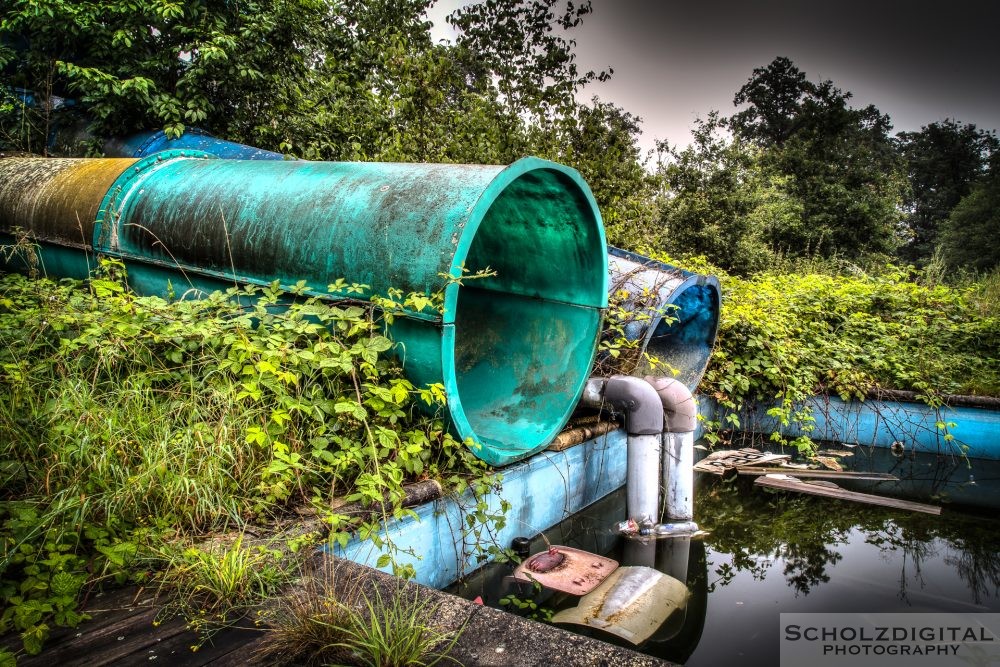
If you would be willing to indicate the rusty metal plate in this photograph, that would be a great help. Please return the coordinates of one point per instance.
(566, 569)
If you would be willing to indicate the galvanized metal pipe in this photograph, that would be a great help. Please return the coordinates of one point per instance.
(681, 420)
(676, 313)
(643, 412)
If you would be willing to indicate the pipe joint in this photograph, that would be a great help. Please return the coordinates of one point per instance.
(680, 412)
(636, 398)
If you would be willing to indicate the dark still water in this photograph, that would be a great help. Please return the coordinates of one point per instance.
(767, 553)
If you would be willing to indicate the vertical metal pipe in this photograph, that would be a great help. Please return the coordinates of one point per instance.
(678, 475)
(643, 485)
(643, 422)
(681, 419)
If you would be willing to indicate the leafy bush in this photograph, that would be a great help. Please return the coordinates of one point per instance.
(128, 421)
(784, 338)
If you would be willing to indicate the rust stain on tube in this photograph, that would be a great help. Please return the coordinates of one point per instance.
(56, 200)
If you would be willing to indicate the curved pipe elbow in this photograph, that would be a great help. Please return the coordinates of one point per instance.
(679, 409)
(637, 398)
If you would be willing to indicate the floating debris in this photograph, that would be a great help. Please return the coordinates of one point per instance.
(718, 463)
(829, 462)
(805, 473)
(633, 604)
(831, 490)
(566, 569)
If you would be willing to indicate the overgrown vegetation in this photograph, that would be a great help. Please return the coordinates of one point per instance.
(785, 337)
(130, 426)
(321, 623)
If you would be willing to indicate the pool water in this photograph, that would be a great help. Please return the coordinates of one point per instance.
(767, 553)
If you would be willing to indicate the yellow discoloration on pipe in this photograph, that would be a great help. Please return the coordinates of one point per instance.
(56, 200)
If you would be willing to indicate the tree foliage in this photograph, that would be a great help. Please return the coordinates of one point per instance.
(844, 169)
(774, 95)
(135, 64)
(944, 160)
(970, 237)
(795, 173)
(725, 202)
(520, 47)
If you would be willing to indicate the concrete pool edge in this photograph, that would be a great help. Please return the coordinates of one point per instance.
(489, 637)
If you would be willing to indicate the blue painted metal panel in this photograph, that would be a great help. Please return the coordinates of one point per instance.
(543, 490)
(975, 431)
(143, 144)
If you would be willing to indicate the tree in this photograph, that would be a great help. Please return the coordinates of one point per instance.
(520, 45)
(970, 236)
(840, 161)
(774, 95)
(944, 160)
(725, 202)
(135, 64)
(600, 141)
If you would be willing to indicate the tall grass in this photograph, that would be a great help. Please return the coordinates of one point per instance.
(321, 623)
(97, 422)
(130, 423)
(985, 294)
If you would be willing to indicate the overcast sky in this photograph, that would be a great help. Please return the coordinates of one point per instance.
(674, 61)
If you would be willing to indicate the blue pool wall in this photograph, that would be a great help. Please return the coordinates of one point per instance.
(542, 490)
(974, 432)
(551, 486)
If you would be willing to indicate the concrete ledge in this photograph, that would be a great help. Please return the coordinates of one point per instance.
(491, 638)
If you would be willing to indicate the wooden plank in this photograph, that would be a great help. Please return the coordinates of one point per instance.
(105, 644)
(580, 434)
(414, 494)
(131, 647)
(830, 490)
(105, 608)
(817, 474)
(248, 654)
(241, 640)
(829, 462)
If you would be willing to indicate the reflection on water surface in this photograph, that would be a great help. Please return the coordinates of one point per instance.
(768, 553)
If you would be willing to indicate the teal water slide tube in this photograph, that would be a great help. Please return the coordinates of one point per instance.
(513, 351)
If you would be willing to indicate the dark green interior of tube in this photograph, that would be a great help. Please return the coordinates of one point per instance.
(525, 339)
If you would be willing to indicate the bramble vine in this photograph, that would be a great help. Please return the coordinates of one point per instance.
(128, 423)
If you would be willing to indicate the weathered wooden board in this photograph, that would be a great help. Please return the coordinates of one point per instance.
(830, 490)
(804, 473)
(121, 631)
(717, 463)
